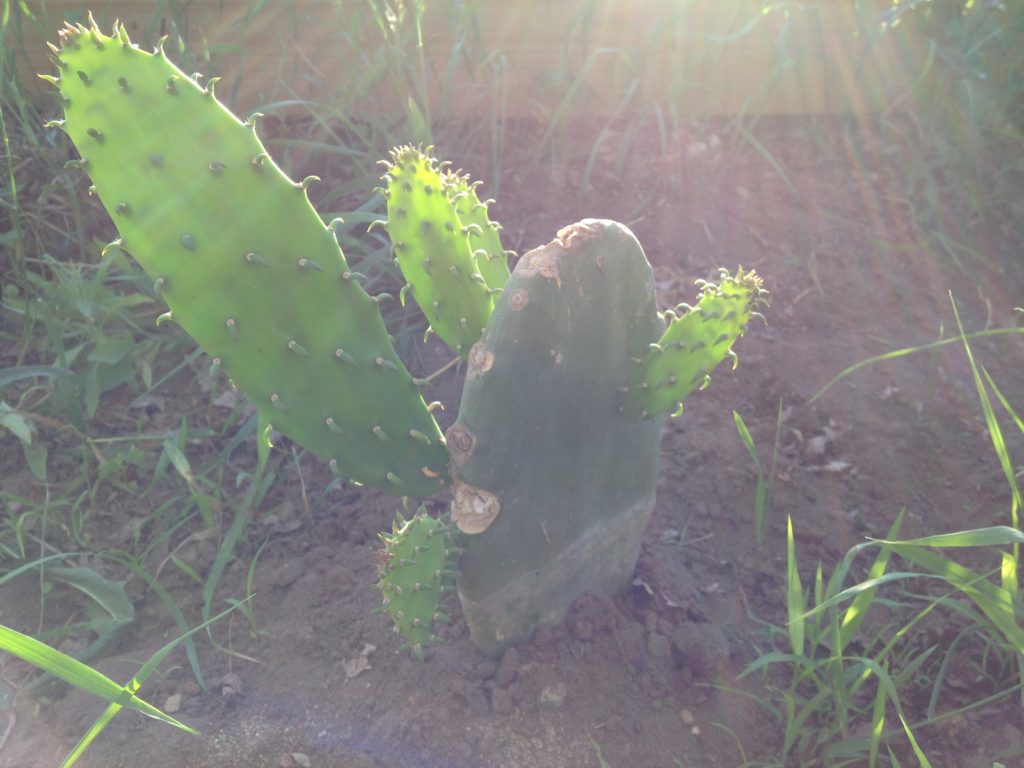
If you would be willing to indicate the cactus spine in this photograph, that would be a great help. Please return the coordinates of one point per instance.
(243, 261)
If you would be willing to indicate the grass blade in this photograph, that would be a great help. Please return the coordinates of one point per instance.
(907, 351)
(995, 535)
(76, 673)
(1009, 572)
(877, 725)
(994, 601)
(921, 759)
(760, 495)
(862, 601)
(136, 682)
(10, 375)
(794, 595)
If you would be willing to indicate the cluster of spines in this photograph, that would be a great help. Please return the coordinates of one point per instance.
(229, 327)
(414, 571)
(434, 249)
(696, 339)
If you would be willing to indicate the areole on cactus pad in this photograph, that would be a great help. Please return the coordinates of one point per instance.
(570, 368)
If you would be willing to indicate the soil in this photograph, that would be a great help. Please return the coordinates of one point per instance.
(647, 678)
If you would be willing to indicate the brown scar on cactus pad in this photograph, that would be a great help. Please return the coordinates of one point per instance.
(481, 360)
(460, 443)
(543, 261)
(474, 509)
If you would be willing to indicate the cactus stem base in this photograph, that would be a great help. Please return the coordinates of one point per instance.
(601, 562)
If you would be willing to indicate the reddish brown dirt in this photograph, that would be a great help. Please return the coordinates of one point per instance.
(648, 679)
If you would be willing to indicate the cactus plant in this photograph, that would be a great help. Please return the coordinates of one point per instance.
(554, 455)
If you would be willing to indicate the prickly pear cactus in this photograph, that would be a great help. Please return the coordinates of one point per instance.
(433, 249)
(554, 482)
(414, 572)
(244, 262)
(484, 236)
(692, 345)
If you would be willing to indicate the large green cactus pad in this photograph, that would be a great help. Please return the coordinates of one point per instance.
(413, 569)
(432, 247)
(244, 262)
(692, 345)
(554, 482)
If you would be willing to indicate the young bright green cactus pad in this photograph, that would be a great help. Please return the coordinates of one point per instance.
(432, 247)
(692, 345)
(491, 258)
(413, 570)
(244, 262)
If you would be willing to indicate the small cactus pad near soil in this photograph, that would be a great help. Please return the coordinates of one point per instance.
(555, 485)
(244, 262)
(413, 569)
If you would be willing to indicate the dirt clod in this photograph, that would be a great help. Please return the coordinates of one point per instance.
(508, 668)
(702, 648)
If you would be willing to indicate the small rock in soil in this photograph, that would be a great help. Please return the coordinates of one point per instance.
(554, 695)
(632, 636)
(702, 648)
(516, 692)
(501, 702)
(508, 668)
(659, 646)
(231, 685)
(542, 636)
(815, 448)
(486, 669)
(285, 574)
(173, 703)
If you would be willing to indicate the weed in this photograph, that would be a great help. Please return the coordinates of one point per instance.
(826, 698)
(762, 496)
(81, 676)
